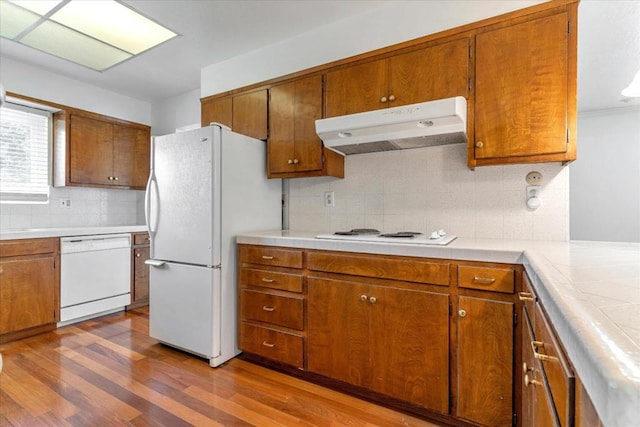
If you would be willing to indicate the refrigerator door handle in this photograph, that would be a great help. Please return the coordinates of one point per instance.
(154, 262)
(151, 184)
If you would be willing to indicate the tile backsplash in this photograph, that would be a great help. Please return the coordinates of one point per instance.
(90, 207)
(431, 188)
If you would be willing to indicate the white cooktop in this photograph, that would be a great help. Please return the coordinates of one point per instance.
(417, 240)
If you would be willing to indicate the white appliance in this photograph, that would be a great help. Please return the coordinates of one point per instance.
(435, 238)
(425, 124)
(205, 186)
(95, 275)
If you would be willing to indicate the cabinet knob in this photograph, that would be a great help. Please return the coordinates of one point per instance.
(479, 144)
(363, 298)
(296, 161)
(526, 368)
(392, 98)
(373, 300)
(290, 161)
(462, 313)
(268, 344)
(115, 178)
(138, 254)
(383, 99)
(533, 382)
(266, 308)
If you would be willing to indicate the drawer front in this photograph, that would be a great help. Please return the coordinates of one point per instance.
(271, 279)
(487, 278)
(269, 308)
(556, 368)
(140, 239)
(271, 256)
(271, 344)
(20, 247)
(410, 270)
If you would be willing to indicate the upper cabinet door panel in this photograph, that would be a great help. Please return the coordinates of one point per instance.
(250, 114)
(308, 108)
(218, 111)
(91, 151)
(280, 146)
(522, 89)
(434, 72)
(357, 88)
(131, 147)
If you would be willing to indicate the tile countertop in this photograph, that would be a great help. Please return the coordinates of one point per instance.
(36, 233)
(590, 291)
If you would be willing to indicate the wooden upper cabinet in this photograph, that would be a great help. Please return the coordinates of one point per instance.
(525, 92)
(97, 151)
(293, 144)
(250, 114)
(217, 110)
(434, 72)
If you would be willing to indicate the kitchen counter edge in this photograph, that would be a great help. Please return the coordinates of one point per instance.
(39, 233)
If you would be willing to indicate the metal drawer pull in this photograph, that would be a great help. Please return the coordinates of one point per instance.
(540, 356)
(266, 344)
(525, 296)
(484, 280)
(533, 382)
(364, 298)
(265, 308)
(267, 257)
(373, 300)
(264, 279)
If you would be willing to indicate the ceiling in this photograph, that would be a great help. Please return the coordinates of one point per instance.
(214, 31)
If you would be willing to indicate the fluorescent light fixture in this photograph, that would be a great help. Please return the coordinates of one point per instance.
(97, 34)
(633, 90)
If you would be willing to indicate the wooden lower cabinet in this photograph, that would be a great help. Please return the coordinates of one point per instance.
(485, 349)
(29, 287)
(140, 252)
(381, 338)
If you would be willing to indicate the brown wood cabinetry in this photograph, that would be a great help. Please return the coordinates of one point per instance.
(271, 314)
(140, 271)
(525, 96)
(294, 148)
(244, 113)
(29, 287)
(99, 151)
(219, 110)
(433, 72)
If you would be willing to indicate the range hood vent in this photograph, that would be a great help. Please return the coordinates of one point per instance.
(425, 124)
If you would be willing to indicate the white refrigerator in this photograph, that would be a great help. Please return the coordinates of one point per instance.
(206, 186)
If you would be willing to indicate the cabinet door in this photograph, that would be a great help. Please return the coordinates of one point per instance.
(140, 275)
(131, 152)
(522, 89)
(217, 110)
(357, 88)
(410, 346)
(294, 107)
(90, 151)
(431, 73)
(27, 293)
(485, 361)
(250, 114)
(338, 330)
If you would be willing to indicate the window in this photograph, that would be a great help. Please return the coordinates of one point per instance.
(24, 154)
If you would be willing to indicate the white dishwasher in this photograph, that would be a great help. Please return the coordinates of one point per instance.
(95, 275)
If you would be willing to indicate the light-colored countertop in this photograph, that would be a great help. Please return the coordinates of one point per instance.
(36, 233)
(590, 291)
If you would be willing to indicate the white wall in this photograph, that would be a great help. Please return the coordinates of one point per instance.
(176, 112)
(427, 189)
(89, 206)
(393, 23)
(605, 180)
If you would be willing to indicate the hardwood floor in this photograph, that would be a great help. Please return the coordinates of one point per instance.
(109, 372)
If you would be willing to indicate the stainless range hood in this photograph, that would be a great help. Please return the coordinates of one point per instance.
(409, 126)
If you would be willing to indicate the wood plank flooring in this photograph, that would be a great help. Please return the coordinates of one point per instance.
(109, 372)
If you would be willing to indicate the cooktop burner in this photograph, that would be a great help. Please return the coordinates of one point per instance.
(438, 238)
(357, 232)
(405, 234)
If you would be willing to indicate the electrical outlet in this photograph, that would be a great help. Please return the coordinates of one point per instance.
(329, 199)
(65, 203)
(534, 178)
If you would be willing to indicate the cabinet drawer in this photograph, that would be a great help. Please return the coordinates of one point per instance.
(20, 247)
(271, 279)
(271, 344)
(140, 239)
(487, 278)
(271, 256)
(556, 368)
(410, 270)
(269, 308)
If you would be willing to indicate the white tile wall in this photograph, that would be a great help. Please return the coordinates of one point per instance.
(431, 188)
(89, 207)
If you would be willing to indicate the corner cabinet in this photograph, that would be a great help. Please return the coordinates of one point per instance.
(29, 287)
(294, 148)
(525, 91)
(98, 151)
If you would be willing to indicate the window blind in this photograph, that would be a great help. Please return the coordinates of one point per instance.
(24, 154)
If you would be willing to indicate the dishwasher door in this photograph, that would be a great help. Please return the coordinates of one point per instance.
(95, 275)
